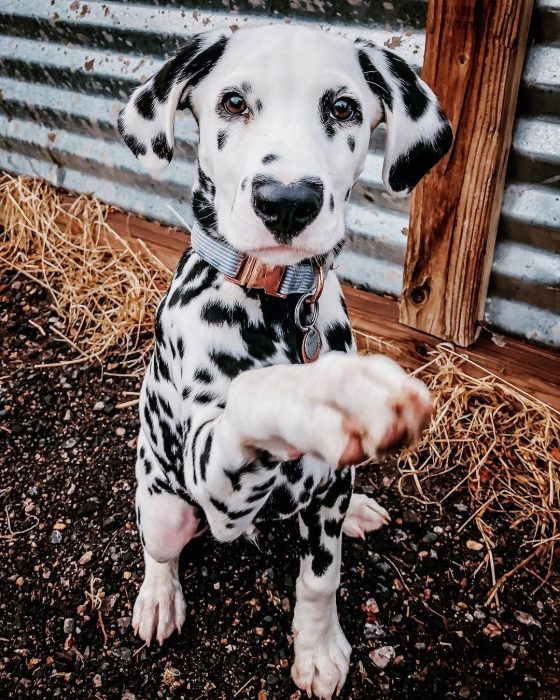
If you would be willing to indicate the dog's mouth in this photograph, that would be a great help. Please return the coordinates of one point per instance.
(281, 254)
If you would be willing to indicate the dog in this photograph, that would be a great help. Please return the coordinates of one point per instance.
(255, 404)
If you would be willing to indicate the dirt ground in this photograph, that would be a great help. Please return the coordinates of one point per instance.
(68, 545)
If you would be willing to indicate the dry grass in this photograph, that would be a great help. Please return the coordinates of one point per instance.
(106, 291)
(499, 445)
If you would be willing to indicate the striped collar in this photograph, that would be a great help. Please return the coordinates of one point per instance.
(248, 271)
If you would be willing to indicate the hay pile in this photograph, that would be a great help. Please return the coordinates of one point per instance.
(497, 444)
(104, 290)
(500, 446)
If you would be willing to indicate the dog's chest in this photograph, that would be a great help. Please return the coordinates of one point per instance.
(208, 331)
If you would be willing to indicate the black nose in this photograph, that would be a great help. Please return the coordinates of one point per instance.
(287, 209)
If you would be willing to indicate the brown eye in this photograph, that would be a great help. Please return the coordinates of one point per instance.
(234, 103)
(343, 109)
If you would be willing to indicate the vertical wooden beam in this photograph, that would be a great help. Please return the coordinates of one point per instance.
(473, 62)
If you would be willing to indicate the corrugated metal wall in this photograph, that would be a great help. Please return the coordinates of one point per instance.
(66, 66)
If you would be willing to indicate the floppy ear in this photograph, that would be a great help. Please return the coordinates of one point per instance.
(146, 123)
(418, 132)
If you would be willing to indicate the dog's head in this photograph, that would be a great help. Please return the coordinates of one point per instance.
(285, 115)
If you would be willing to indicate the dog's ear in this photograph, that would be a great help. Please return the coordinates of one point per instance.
(146, 123)
(418, 132)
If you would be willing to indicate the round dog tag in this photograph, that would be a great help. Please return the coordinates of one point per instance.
(311, 345)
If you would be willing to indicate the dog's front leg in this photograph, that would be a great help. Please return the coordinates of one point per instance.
(322, 653)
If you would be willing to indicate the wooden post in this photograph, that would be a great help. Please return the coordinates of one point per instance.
(473, 62)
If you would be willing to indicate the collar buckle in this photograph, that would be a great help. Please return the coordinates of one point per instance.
(255, 274)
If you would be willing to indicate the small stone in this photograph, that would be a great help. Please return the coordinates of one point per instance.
(373, 630)
(510, 648)
(382, 656)
(121, 432)
(464, 692)
(429, 537)
(97, 681)
(20, 581)
(99, 406)
(492, 629)
(67, 417)
(409, 516)
(127, 695)
(59, 526)
(127, 575)
(475, 546)
(259, 631)
(70, 443)
(371, 606)
(68, 625)
(271, 679)
(85, 558)
(526, 619)
(420, 646)
(286, 605)
(123, 623)
(461, 507)
(56, 537)
(124, 654)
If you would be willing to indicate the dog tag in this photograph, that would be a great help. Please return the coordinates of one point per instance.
(311, 345)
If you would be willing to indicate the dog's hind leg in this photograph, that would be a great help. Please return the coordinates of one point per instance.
(166, 523)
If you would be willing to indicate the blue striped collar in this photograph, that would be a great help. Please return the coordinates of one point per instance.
(242, 269)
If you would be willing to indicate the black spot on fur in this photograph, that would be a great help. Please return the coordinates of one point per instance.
(258, 105)
(339, 336)
(243, 184)
(331, 203)
(351, 143)
(347, 195)
(321, 561)
(145, 104)
(204, 211)
(229, 365)
(205, 456)
(415, 99)
(188, 64)
(204, 397)
(215, 313)
(203, 375)
(374, 79)
(270, 158)
(409, 168)
(325, 105)
(333, 526)
(293, 471)
(206, 184)
(137, 148)
(222, 138)
(281, 500)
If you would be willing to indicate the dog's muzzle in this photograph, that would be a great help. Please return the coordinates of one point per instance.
(287, 209)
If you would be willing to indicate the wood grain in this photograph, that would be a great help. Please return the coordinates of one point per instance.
(473, 61)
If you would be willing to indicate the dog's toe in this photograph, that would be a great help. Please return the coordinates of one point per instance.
(159, 610)
(364, 515)
(321, 666)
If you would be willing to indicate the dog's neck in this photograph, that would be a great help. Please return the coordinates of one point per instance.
(276, 280)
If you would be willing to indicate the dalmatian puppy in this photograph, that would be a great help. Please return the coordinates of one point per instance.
(238, 423)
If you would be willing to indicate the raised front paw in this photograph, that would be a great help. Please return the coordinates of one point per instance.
(160, 608)
(321, 665)
(364, 514)
(382, 406)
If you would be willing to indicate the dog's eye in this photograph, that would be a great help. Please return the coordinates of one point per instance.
(234, 103)
(343, 109)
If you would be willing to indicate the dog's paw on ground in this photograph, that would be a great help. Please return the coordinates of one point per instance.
(159, 608)
(364, 515)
